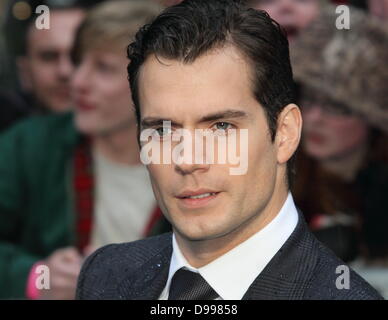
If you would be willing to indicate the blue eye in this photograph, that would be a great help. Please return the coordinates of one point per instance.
(163, 131)
(223, 126)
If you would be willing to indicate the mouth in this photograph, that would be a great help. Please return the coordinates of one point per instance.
(84, 106)
(62, 92)
(316, 138)
(197, 199)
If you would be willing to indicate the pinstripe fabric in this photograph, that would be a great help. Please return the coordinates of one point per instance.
(302, 269)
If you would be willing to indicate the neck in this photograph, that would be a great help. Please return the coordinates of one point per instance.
(120, 146)
(201, 253)
(347, 165)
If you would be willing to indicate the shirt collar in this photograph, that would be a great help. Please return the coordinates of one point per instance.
(231, 274)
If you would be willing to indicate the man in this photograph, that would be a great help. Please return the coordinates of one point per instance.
(218, 66)
(45, 67)
(70, 183)
(42, 58)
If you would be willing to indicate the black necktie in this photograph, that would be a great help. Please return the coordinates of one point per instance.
(187, 285)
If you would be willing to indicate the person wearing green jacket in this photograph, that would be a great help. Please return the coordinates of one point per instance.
(73, 182)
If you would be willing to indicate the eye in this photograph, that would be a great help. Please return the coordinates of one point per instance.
(162, 132)
(104, 67)
(49, 56)
(223, 126)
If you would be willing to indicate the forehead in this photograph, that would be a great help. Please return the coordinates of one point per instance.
(216, 81)
(61, 32)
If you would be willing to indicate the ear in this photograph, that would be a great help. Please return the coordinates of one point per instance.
(24, 72)
(288, 132)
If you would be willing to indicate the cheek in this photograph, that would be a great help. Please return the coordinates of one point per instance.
(107, 90)
(348, 134)
(159, 175)
(114, 101)
(339, 136)
(262, 163)
(43, 75)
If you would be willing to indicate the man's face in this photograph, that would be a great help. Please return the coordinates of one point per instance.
(293, 15)
(100, 91)
(46, 69)
(328, 134)
(187, 94)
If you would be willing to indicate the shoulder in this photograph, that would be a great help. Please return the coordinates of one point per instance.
(42, 121)
(34, 142)
(107, 267)
(334, 280)
(40, 129)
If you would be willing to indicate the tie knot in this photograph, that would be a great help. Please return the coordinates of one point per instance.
(188, 285)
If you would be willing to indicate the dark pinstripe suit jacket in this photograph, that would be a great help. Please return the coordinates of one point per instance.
(302, 269)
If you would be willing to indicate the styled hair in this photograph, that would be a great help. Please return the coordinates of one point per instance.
(112, 25)
(188, 30)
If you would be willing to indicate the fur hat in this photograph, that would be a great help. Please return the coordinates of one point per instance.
(349, 66)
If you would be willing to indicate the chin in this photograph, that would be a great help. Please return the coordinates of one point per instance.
(85, 127)
(201, 231)
(192, 235)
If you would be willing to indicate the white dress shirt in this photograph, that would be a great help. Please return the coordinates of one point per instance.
(232, 274)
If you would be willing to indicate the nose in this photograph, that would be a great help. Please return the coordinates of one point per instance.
(186, 169)
(79, 81)
(192, 159)
(65, 67)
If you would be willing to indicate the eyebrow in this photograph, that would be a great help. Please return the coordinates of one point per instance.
(226, 114)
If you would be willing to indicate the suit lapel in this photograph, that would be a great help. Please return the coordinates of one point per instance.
(288, 273)
(285, 277)
(149, 280)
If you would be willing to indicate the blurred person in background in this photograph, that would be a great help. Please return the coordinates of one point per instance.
(12, 107)
(72, 183)
(292, 15)
(45, 67)
(41, 56)
(377, 8)
(342, 180)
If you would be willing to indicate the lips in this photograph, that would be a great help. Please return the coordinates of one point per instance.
(316, 138)
(84, 105)
(197, 198)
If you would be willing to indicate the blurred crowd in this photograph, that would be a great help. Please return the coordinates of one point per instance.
(71, 179)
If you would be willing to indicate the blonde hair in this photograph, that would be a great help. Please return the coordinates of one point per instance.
(112, 25)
